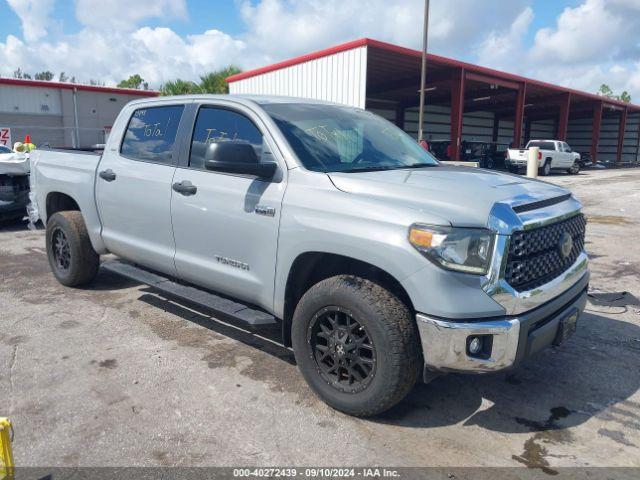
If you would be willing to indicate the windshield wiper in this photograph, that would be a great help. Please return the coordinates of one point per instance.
(367, 169)
(419, 165)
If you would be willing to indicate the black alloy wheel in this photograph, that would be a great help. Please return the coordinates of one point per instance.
(61, 250)
(342, 349)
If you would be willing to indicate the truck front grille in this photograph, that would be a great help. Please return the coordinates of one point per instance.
(535, 256)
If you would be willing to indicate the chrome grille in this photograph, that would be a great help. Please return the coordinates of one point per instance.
(535, 257)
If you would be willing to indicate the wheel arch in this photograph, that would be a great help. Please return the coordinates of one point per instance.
(309, 268)
(58, 202)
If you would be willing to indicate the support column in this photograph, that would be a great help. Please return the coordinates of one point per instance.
(638, 142)
(563, 119)
(622, 126)
(519, 117)
(457, 112)
(496, 128)
(595, 132)
(527, 130)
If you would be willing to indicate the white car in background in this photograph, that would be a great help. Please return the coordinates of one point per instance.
(554, 154)
(12, 163)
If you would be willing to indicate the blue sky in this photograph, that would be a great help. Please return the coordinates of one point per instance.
(580, 43)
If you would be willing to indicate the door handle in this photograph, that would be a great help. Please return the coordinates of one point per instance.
(108, 175)
(185, 188)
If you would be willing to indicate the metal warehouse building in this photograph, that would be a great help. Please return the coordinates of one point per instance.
(465, 102)
(60, 114)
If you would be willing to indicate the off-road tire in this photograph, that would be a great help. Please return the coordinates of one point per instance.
(393, 333)
(83, 262)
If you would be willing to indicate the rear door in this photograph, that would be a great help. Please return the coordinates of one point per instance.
(133, 188)
(226, 230)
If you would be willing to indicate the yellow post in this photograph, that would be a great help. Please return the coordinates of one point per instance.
(6, 455)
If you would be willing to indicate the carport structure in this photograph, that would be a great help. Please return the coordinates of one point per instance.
(464, 101)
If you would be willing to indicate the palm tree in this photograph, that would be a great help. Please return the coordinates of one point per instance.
(179, 87)
(216, 82)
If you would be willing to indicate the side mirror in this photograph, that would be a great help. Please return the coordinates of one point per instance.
(237, 157)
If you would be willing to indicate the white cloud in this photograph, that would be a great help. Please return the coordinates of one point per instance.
(34, 15)
(108, 14)
(594, 42)
(500, 48)
(113, 44)
(283, 28)
(582, 34)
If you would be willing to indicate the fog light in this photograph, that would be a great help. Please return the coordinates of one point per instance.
(475, 345)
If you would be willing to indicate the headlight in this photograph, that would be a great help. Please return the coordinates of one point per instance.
(461, 249)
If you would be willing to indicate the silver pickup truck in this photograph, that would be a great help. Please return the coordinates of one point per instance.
(380, 265)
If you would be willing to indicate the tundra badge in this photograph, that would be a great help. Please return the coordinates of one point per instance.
(266, 211)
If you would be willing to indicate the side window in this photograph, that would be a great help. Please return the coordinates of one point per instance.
(215, 125)
(151, 134)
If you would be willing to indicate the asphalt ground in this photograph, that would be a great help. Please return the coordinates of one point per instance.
(118, 375)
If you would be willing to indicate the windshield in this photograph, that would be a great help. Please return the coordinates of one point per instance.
(331, 138)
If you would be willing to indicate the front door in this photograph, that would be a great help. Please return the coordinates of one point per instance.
(226, 227)
(567, 155)
(133, 189)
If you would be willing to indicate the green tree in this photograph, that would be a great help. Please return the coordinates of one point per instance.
(46, 75)
(63, 77)
(179, 87)
(216, 82)
(134, 81)
(625, 97)
(605, 91)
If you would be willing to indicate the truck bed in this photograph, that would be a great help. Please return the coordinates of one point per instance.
(71, 173)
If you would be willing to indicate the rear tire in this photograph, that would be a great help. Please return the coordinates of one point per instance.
(546, 168)
(73, 260)
(364, 313)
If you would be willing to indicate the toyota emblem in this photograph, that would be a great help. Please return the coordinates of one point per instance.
(566, 244)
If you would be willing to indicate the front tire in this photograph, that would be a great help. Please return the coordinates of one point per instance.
(356, 344)
(575, 168)
(73, 260)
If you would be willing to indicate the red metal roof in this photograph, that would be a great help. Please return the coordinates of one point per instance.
(437, 59)
(70, 86)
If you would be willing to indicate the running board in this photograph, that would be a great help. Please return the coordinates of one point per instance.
(220, 305)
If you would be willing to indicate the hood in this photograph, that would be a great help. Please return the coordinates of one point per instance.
(14, 164)
(462, 196)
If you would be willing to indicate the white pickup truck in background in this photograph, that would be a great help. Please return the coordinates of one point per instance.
(554, 154)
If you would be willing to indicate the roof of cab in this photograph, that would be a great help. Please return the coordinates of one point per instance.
(243, 99)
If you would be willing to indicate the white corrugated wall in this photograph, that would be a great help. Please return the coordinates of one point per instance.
(340, 77)
(31, 100)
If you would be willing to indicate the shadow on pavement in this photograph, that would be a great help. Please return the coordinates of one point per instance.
(266, 339)
(559, 388)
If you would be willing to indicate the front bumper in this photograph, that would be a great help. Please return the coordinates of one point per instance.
(513, 338)
(14, 196)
